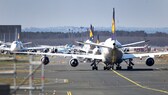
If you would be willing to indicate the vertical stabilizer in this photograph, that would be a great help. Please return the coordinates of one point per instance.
(113, 25)
(4, 38)
(91, 33)
(97, 41)
(16, 38)
(17, 35)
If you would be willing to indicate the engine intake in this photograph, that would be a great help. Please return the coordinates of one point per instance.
(46, 50)
(74, 62)
(45, 60)
(54, 50)
(150, 61)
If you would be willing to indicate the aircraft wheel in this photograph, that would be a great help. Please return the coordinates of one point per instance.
(118, 68)
(108, 68)
(129, 67)
(94, 68)
(105, 68)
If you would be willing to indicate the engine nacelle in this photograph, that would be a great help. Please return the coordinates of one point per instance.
(126, 50)
(45, 60)
(46, 50)
(150, 61)
(74, 62)
(54, 50)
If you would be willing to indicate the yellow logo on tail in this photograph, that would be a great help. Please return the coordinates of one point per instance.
(91, 33)
(113, 26)
(113, 22)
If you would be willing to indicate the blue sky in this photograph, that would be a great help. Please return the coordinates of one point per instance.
(52, 13)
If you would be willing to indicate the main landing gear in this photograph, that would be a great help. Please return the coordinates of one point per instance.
(94, 65)
(118, 67)
(130, 64)
(109, 67)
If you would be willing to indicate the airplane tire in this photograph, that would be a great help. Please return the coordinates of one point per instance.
(94, 68)
(129, 67)
(105, 68)
(118, 68)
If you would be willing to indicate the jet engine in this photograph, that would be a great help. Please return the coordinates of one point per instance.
(54, 50)
(46, 50)
(73, 62)
(150, 61)
(126, 50)
(45, 60)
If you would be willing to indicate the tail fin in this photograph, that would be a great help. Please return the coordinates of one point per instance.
(113, 25)
(4, 38)
(17, 35)
(91, 33)
(98, 41)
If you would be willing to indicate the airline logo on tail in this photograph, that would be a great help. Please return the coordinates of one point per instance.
(113, 25)
(91, 32)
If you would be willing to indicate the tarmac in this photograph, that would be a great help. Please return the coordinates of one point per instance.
(62, 79)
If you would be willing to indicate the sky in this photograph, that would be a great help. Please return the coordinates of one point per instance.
(53, 13)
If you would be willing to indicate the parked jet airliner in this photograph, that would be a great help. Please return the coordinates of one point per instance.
(111, 54)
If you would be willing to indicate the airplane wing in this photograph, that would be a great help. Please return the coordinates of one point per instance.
(128, 56)
(95, 44)
(5, 48)
(139, 42)
(27, 43)
(7, 43)
(34, 48)
(98, 57)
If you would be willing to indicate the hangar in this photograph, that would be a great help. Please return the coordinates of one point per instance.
(8, 32)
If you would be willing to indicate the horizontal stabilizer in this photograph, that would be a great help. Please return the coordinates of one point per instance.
(27, 43)
(135, 43)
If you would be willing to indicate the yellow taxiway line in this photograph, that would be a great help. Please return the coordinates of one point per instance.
(139, 85)
(69, 93)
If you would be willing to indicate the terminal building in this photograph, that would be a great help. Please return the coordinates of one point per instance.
(8, 32)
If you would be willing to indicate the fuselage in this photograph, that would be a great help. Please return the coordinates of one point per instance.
(111, 55)
(16, 46)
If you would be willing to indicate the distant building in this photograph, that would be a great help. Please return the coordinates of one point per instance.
(8, 32)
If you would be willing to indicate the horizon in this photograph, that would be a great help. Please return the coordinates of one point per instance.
(129, 13)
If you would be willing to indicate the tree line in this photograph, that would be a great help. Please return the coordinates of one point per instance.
(60, 38)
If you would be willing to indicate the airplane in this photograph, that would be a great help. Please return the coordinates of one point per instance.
(87, 48)
(68, 48)
(111, 54)
(17, 46)
(71, 48)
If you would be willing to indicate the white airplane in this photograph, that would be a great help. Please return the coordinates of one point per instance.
(17, 46)
(58, 49)
(111, 54)
(87, 48)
